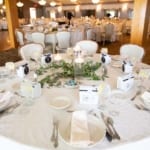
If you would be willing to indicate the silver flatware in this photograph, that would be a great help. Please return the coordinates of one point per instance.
(53, 132)
(137, 93)
(111, 122)
(141, 107)
(56, 135)
(108, 129)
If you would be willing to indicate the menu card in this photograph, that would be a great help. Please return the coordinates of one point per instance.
(125, 82)
(88, 95)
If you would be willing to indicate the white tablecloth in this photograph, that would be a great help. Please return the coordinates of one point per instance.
(31, 122)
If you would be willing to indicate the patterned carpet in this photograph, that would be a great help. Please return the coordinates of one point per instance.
(9, 55)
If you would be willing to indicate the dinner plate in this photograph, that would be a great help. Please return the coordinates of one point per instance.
(116, 64)
(60, 102)
(97, 131)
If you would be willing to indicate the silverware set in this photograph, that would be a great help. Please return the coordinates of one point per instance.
(111, 132)
(142, 107)
(54, 136)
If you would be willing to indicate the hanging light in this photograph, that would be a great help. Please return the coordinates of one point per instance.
(95, 1)
(1, 2)
(42, 2)
(53, 3)
(19, 4)
(73, 1)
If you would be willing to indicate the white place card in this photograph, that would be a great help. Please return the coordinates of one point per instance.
(125, 82)
(88, 95)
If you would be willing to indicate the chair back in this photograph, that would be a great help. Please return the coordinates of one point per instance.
(63, 39)
(109, 31)
(89, 34)
(88, 47)
(132, 51)
(32, 50)
(38, 37)
(19, 37)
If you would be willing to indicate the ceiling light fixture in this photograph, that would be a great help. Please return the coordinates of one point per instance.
(19, 4)
(42, 2)
(95, 1)
(1, 2)
(53, 3)
(73, 1)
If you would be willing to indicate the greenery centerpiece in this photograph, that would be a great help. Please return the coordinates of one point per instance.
(52, 73)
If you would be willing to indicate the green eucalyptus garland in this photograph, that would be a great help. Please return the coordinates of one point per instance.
(64, 69)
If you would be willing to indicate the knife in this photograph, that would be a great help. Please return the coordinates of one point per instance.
(109, 132)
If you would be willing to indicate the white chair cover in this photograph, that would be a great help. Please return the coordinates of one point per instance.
(88, 47)
(63, 39)
(51, 39)
(109, 32)
(19, 36)
(38, 37)
(32, 50)
(132, 51)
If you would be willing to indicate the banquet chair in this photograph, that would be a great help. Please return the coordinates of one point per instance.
(132, 51)
(38, 37)
(19, 37)
(51, 39)
(63, 39)
(109, 33)
(89, 34)
(31, 51)
(88, 47)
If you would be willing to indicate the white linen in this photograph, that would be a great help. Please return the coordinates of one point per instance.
(79, 129)
(31, 122)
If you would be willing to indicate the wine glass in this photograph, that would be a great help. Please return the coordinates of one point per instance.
(104, 91)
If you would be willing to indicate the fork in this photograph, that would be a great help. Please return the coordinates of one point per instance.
(137, 93)
(111, 122)
(53, 132)
(56, 135)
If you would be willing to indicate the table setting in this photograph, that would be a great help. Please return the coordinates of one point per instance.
(60, 110)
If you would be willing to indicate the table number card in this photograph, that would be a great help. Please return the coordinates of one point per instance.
(125, 82)
(88, 95)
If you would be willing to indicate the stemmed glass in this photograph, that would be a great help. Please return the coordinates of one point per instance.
(104, 91)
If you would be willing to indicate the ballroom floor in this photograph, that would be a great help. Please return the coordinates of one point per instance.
(10, 54)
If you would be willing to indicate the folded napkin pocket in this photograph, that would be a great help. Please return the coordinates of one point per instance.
(146, 98)
(79, 129)
(125, 83)
(5, 100)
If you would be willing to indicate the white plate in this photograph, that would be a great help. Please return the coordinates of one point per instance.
(116, 57)
(116, 64)
(97, 131)
(4, 104)
(60, 102)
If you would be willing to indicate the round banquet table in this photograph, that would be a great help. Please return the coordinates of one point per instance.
(31, 123)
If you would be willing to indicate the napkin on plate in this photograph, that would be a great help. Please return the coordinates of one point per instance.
(79, 129)
(6, 96)
(146, 97)
(7, 100)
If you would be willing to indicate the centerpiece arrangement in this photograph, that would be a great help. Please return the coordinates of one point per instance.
(52, 73)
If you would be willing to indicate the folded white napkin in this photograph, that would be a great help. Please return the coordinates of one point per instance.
(79, 129)
(146, 97)
(6, 96)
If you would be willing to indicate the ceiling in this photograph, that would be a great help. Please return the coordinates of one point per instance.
(68, 2)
